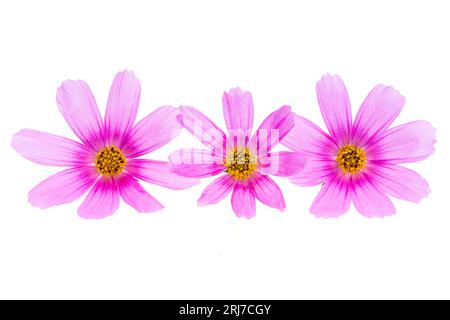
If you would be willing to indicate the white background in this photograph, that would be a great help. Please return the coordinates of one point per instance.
(189, 52)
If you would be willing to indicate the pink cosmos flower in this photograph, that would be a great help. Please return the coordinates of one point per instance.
(358, 160)
(106, 160)
(245, 161)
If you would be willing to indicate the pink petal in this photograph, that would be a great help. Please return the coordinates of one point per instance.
(122, 107)
(272, 130)
(378, 111)
(48, 149)
(305, 136)
(152, 132)
(63, 187)
(401, 183)
(410, 142)
(284, 163)
(216, 190)
(333, 200)
(370, 199)
(102, 200)
(195, 163)
(78, 106)
(202, 128)
(268, 192)
(238, 113)
(335, 107)
(317, 170)
(136, 196)
(243, 201)
(159, 172)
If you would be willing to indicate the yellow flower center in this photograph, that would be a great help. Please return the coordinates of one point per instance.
(351, 159)
(240, 163)
(110, 161)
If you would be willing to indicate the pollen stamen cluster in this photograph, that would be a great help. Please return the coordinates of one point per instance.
(351, 159)
(110, 161)
(240, 163)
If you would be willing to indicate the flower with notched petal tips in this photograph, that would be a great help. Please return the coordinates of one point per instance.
(106, 162)
(245, 161)
(359, 160)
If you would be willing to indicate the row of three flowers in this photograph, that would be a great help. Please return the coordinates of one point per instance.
(357, 161)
